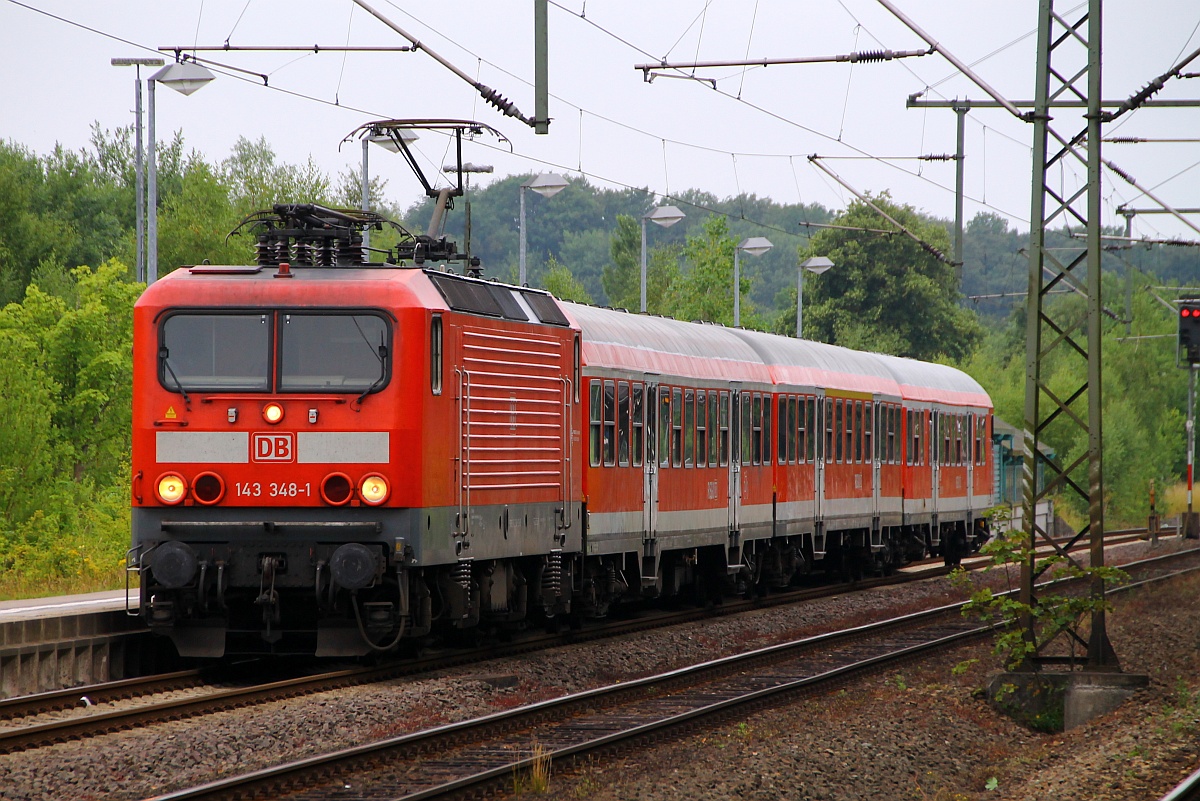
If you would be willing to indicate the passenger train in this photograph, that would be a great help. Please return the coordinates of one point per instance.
(337, 457)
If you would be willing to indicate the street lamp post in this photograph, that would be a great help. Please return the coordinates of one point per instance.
(548, 184)
(815, 265)
(755, 246)
(139, 176)
(665, 216)
(185, 78)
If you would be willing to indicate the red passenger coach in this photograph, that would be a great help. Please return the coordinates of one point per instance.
(730, 453)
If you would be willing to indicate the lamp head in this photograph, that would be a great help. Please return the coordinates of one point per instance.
(816, 264)
(666, 216)
(755, 245)
(548, 184)
(184, 77)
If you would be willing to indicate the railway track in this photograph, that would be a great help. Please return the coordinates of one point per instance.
(81, 712)
(490, 753)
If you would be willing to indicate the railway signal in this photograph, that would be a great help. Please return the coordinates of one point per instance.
(1189, 333)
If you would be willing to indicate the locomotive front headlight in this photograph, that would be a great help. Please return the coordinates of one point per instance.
(272, 413)
(374, 489)
(170, 488)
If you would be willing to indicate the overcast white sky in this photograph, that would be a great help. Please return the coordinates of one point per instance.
(608, 124)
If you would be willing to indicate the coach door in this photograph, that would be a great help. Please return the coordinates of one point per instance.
(935, 465)
(650, 463)
(873, 427)
(968, 436)
(735, 456)
(820, 432)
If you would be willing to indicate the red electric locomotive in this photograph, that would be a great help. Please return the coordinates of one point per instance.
(327, 458)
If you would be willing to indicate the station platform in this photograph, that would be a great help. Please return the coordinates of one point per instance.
(72, 640)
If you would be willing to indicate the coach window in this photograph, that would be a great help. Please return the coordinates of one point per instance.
(724, 429)
(782, 401)
(435, 354)
(689, 428)
(868, 422)
(789, 429)
(967, 421)
(924, 422)
(967, 437)
(333, 352)
(639, 429)
(812, 426)
(980, 429)
(220, 352)
(714, 428)
(676, 427)
(623, 424)
(756, 429)
(836, 449)
(921, 427)
(701, 428)
(828, 402)
(594, 408)
(744, 442)
(664, 427)
(858, 432)
(946, 431)
(802, 426)
(610, 423)
(766, 432)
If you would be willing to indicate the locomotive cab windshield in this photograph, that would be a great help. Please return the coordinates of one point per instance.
(281, 351)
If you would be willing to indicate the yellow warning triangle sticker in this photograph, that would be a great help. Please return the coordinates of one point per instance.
(170, 412)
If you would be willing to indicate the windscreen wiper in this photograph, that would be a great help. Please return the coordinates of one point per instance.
(383, 355)
(164, 357)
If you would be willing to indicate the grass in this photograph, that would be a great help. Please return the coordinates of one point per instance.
(15, 587)
(535, 781)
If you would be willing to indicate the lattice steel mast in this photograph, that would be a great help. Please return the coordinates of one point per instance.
(1063, 330)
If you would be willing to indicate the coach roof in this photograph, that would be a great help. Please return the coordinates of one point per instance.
(638, 342)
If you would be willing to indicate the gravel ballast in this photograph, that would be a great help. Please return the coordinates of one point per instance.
(921, 732)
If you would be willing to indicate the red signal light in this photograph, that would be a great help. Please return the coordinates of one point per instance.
(1185, 312)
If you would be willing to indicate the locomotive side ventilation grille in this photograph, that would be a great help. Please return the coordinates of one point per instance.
(513, 425)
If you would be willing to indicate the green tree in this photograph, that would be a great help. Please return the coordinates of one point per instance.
(29, 459)
(704, 290)
(562, 284)
(621, 279)
(885, 293)
(194, 224)
(587, 253)
(256, 181)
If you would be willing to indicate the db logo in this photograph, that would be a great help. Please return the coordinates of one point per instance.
(274, 448)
